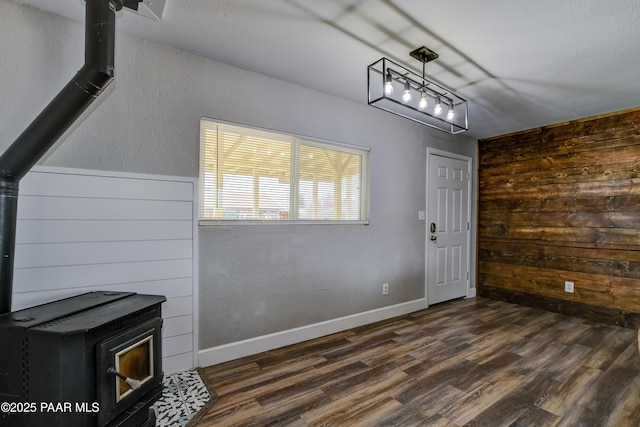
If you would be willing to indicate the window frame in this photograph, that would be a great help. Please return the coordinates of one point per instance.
(299, 140)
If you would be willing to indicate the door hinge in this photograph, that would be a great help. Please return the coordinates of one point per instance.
(468, 226)
(467, 275)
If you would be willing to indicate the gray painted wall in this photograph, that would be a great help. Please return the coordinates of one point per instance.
(253, 280)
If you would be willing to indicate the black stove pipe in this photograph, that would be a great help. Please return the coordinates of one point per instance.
(48, 127)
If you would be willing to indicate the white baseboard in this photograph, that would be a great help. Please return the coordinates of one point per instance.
(236, 350)
(471, 293)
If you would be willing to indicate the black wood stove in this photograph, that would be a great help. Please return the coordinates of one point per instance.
(90, 360)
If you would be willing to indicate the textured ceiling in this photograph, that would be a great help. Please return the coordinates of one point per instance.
(520, 64)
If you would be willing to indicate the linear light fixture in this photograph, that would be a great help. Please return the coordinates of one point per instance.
(394, 88)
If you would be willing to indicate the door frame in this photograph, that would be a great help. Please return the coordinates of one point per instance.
(442, 153)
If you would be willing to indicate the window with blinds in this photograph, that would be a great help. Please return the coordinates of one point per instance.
(250, 175)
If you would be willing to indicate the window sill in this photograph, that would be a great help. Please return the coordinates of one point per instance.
(267, 222)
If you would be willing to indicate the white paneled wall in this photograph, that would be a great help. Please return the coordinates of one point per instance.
(80, 231)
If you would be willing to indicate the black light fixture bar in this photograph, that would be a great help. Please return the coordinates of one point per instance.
(388, 83)
(419, 85)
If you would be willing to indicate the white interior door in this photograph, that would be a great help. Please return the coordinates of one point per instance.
(447, 264)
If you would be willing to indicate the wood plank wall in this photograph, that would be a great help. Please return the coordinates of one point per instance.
(562, 203)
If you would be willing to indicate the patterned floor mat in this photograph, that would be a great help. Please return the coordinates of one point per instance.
(183, 396)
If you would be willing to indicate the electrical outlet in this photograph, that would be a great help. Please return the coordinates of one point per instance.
(568, 286)
(385, 289)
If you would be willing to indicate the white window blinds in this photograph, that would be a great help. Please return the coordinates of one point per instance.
(255, 175)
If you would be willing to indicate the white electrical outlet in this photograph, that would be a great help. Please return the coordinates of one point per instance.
(568, 286)
(385, 289)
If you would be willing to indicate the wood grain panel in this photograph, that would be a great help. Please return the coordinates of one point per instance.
(612, 187)
(614, 292)
(592, 260)
(472, 362)
(568, 173)
(560, 203)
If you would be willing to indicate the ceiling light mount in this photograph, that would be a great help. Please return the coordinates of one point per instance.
(424, 54)
(413, 93)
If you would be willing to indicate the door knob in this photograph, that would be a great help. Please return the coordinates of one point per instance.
(432, 227)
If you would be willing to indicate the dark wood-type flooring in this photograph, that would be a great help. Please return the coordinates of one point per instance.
(476, 362)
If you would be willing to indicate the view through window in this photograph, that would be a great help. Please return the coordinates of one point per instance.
(251, 174)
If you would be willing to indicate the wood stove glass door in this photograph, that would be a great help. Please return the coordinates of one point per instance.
(134, 362)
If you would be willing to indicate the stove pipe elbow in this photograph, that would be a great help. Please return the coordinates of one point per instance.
(89, 82)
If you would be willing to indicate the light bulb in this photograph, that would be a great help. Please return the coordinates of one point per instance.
(423, 101)
(450, 114)
(406, 95)
(388, 84)
(437, 110)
